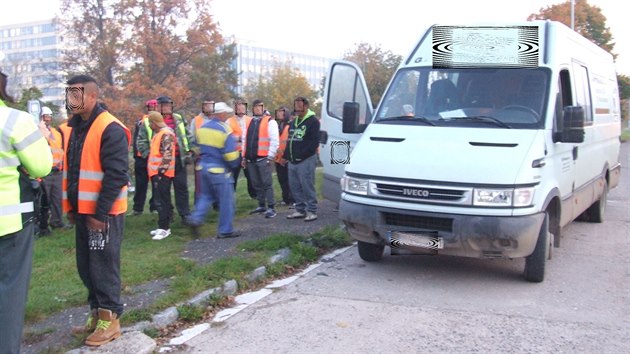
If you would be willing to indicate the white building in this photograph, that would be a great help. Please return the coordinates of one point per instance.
(31, 58)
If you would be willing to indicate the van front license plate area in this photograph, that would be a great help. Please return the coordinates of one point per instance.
(420, 240)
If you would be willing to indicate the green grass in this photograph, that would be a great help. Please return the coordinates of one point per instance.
(55, 284)
(625, 135)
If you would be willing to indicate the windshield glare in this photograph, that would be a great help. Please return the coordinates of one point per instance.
(515, 97)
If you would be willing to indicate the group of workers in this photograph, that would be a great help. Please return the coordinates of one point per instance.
(221, 141)
(82, 168)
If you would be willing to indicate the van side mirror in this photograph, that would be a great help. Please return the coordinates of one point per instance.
(350, 116)
(573, 124)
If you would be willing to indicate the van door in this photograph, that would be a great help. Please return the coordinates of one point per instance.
(345, 83)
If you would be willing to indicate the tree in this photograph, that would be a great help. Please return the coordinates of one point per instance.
(139, 49)
(590, 23)
(378, 67)
(279, 86)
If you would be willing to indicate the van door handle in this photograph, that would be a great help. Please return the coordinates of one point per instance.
(575, 153)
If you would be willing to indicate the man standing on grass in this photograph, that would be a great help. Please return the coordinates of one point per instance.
(95, 198)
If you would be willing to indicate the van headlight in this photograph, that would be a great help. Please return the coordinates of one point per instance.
(510, 197)
(354, 185)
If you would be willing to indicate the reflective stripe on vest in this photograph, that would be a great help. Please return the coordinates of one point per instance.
(21, 208)
(91, 173)
(155, 157)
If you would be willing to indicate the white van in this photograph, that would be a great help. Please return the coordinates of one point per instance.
(486, 143)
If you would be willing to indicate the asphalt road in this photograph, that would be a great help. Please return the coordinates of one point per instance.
(447, 304)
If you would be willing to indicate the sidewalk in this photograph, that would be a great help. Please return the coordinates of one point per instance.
(55, 330)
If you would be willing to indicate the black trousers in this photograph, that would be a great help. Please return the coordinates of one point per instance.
(16, 255)
(250, 187)
(142, 184)
(283, 179)
(162, 198)
(180, 184)
(98, 262)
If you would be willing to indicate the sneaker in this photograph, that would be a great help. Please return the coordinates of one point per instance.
(44, 232)
(295, 215)
(235, 233)
(136, 213)
(258, 210)
(162, 234)
(271, 213)
(310, 216)
(292, 206)
(154, 232)
(195, 230)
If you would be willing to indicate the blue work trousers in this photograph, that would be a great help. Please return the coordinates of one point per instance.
(215, 187)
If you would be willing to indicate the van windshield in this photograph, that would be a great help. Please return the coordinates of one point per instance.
(465, 97)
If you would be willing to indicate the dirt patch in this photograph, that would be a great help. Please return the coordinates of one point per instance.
(53, 333)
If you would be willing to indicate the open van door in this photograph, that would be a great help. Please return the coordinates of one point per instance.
(344, 83)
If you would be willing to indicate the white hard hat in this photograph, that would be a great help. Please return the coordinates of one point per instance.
(46, 110)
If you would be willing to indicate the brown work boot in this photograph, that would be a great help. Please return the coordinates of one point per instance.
(90, 324)
(107, 328)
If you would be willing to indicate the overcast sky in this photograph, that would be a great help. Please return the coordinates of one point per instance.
(332, 27)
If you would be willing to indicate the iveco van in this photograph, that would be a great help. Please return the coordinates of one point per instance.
(487, 142)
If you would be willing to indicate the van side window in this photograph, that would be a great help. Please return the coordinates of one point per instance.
(583, 91)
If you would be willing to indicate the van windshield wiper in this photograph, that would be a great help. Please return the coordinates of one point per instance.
(485, 119)
(407, 118)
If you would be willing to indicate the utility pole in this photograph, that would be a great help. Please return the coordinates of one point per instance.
(573, 15)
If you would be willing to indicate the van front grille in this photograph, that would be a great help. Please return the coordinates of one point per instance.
(419, 222)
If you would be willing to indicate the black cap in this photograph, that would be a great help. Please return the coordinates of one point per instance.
(164, 99)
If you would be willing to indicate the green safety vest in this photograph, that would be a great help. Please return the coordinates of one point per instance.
(182, 131)
(21, 146)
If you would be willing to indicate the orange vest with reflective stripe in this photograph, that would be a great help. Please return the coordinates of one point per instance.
(237, 131)
(91, 171)
(155, 157)
(56, 147)
(263, 137)
(284, 138)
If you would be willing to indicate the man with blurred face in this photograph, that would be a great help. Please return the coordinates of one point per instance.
(142, 135)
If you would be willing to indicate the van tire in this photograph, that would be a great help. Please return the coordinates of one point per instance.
(370, 252)
(595, 213)
(535, 262)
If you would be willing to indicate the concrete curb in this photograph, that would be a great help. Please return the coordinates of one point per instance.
(134, 341)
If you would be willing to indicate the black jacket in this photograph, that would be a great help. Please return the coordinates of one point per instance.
(303, 138)
(114, 160)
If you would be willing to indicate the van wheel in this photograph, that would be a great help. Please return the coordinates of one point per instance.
(370, 252)
(535, 262)
(595, 213)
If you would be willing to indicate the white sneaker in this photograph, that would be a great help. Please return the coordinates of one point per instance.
(162, 234)
(154, 232)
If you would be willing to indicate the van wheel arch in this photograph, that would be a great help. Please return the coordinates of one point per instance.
(553, 207)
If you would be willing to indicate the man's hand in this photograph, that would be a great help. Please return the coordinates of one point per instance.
(94, 224)
(244, 163)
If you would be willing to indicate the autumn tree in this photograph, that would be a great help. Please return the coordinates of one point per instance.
(139, 49)
(279, 86)
(377, 65)
(589, 22)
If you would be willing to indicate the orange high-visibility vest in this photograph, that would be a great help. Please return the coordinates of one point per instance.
(237, 131)
(66, 131)
(91, 171)
(197, 123)
(284, 138)
(155, 156)
(263, 137)
(55, 141)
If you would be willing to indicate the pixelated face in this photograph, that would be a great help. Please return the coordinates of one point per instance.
(152, 107)
(47, 119)
(207, 107)
(75, 99)
(166, 108)
(299, 107)
(240, 109)
(259, 109)
(280, 114)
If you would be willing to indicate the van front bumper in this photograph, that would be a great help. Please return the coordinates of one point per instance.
(475, 236)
